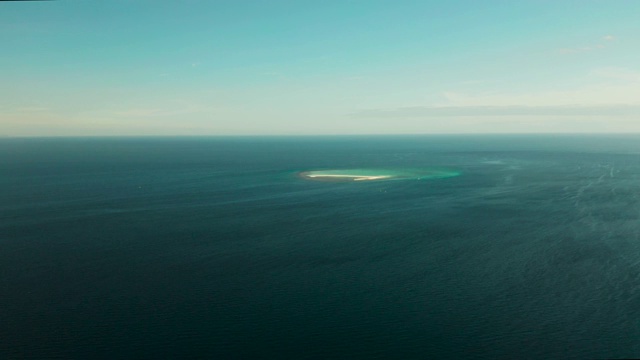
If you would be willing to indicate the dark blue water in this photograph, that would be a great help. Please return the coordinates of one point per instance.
(214, 248)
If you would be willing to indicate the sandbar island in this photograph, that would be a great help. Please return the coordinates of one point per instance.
(344, 175)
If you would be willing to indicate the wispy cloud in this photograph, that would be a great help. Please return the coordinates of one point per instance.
(31, 109)
(601, 44)
(611, 92)
(142, 112)
(616, 73)
(178, 109)
(604, 86)
(513, 110)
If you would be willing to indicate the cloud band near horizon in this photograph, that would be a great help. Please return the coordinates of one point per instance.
(512, 110)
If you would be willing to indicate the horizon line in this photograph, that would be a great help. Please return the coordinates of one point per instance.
(315, 135)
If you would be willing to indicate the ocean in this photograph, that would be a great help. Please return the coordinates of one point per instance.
(215, 247)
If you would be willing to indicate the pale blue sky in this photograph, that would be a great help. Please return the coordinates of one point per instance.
(158, 67)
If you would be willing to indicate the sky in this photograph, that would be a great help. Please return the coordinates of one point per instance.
(284, 67)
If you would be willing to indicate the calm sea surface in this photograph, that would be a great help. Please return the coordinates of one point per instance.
(156, 248)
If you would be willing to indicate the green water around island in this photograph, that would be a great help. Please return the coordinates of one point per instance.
(360, 174)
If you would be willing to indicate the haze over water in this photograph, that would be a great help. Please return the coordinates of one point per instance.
(213, 247)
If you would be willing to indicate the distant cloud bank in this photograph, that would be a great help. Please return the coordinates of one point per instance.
(515, 110)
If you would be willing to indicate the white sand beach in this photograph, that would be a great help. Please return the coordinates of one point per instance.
(345, 177)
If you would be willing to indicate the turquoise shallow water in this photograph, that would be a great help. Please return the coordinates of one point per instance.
(214, 248)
